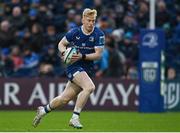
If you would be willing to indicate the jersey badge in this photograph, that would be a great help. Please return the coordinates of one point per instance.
(91, 39)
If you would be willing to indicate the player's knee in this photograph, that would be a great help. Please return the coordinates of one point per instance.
(91, 88)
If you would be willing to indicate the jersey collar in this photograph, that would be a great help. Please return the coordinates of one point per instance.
(86, 33)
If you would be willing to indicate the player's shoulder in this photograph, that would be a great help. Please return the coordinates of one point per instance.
(74, 30)
(99, 31)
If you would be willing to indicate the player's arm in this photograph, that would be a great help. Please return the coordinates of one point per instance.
(98, 49)
(94, 56)
(62, 45)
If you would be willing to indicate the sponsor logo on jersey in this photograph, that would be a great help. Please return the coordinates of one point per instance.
(83, 44)
(77, 37)
(101, 40)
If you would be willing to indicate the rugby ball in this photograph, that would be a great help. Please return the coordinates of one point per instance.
(68, 54)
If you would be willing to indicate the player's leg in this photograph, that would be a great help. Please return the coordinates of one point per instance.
(84, 81)
(68, 94)
(87, 88)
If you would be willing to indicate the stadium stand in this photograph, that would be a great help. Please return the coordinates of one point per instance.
(31, 29)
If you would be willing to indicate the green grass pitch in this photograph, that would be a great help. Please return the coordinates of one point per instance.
(93, 121)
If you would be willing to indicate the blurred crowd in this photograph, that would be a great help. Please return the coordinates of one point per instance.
(31, 29)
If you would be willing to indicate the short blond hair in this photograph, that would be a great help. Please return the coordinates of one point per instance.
(89, 12)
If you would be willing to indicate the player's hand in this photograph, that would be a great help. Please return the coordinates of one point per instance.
(76, 57)
(61, 55)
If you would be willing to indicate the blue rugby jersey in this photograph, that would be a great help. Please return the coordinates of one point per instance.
(85, 44)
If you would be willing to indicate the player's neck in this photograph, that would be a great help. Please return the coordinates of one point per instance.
(85, 31)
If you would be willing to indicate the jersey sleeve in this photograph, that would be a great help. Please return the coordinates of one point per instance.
(100, 40)
(70, 34)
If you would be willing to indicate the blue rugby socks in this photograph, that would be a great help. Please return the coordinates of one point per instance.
(48, 108)
(76, 113)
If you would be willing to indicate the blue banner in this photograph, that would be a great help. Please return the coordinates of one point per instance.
(151, 44)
